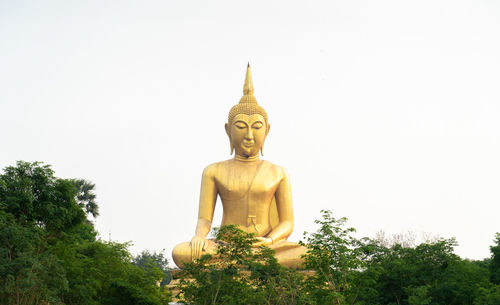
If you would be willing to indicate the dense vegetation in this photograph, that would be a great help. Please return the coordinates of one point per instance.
(50, 253)
(341, 269)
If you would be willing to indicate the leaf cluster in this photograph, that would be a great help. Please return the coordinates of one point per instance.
(341, 269)
(238, 274)
(49, 251)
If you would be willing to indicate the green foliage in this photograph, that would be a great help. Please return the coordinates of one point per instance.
(239, 275)
(401, 270)
(155, 264)
(342, 269)
(362, 271)
(97, 270)
(49, 253)
(429, 273)
(336, 256)
(34, 196)
(419, 295)
(122, 292)
(495, 261)
(29, 272)
(85, 196)
(488, 296)
(460, 282)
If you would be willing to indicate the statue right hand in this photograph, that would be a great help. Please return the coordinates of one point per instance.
(198, 244)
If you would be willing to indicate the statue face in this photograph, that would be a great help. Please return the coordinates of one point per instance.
(247, 133)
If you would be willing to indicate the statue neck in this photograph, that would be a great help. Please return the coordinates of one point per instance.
(245, 159)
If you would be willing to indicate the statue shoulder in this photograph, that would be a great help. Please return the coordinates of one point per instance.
(210, 170)
(279, 170)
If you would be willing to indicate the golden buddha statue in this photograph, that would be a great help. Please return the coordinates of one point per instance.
(255, 194)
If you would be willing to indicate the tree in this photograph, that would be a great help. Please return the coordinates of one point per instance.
(342, 269)
(337, 257)
(35, 208)
(238, 274)
(49, 253)
(29, 272)
(419, 295)
(34, 196)
(428, 273)
(154, 263)
(495, 261)
(488, 296)
(85, 196)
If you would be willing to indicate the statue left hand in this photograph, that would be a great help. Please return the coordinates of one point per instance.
(262, 241)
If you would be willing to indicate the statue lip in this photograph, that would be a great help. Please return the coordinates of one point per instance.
(248, 143)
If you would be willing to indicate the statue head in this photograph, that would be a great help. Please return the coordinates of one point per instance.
(247, 125)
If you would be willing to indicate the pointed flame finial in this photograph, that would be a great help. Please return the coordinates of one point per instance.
(248, 86)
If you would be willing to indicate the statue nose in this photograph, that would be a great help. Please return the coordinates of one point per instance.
(249, 135)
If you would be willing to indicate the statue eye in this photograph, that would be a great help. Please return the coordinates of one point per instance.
(257, 126)
(240, 126)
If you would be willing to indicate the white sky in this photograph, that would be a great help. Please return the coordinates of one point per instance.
(386, 112)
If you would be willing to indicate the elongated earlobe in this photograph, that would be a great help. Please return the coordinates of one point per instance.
(268, 126)
(228, 132)
(262, 147)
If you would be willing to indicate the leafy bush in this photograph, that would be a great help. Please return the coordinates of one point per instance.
(49, 253)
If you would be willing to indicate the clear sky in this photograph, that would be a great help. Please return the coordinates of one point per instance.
(386, 112)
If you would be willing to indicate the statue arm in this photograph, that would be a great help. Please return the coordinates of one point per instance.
(208, 198)
(285, 210)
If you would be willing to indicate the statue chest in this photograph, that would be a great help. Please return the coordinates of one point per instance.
(247, 185)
